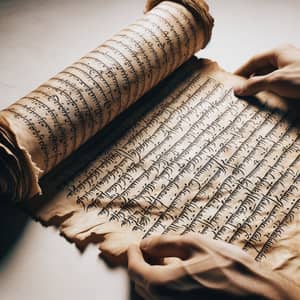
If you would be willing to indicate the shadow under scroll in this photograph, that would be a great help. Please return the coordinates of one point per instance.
(13, 222)
(164, 293)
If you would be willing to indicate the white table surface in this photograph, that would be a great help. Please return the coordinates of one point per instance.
(38, 38)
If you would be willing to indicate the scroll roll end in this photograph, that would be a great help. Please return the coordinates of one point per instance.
(18, 178)
(200, 10)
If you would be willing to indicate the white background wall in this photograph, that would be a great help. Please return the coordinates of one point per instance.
(38, 38)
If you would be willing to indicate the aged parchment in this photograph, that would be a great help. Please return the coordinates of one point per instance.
(200, 161)
(190, 157)
(62, 114)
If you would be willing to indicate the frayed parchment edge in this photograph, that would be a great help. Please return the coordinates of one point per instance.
(33, 171)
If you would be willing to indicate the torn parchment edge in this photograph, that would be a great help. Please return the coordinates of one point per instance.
(31, 171)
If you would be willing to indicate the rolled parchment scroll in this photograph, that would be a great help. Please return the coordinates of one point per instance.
(50, 123)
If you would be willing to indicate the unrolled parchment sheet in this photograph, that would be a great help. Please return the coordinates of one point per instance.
(200, 161)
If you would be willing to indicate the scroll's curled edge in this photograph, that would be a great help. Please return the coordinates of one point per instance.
(200, 10)
(19, 174)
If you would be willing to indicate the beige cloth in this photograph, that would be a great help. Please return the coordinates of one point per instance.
(194, 267)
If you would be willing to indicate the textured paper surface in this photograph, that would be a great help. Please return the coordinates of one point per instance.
(62, 114)
(190, 157)
(200, 161)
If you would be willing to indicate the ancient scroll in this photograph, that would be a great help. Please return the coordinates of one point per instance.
(55, 119)
(187, 157)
